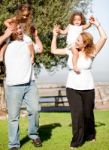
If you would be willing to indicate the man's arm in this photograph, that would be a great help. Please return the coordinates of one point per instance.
(6, 34)
(2, 51)
(9, 21)
(38, 44)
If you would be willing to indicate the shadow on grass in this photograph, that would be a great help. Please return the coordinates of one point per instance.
(45, 133)
(99, 124)
(24, 140)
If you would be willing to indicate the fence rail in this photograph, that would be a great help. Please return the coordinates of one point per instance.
(58, 92)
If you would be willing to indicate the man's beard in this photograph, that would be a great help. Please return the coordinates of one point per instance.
(16, 37)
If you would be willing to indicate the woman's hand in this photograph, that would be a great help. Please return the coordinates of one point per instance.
(54, 49)
(103, 37)
(55, 31)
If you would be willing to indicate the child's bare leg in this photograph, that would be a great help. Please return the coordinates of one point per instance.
(75, 59)
(75, 68)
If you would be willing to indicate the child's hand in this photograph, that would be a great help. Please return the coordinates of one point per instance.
(94, 21)
(75, 50)
(12, 27)
(91, 19)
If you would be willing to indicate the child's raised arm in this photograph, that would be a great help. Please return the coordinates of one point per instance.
(9, 21)
(86, 26)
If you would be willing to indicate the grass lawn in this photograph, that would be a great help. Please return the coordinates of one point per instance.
(55, 132)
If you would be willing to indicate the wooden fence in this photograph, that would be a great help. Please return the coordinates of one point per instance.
(58, 92)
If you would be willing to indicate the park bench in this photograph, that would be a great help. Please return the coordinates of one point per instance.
(48, 92)
(58, 92)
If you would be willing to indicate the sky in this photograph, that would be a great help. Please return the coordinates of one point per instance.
(100, 68)
(101, 64)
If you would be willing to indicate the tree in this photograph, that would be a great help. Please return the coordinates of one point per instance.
(46, 13)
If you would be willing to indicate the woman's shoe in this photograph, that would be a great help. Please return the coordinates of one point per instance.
(73, 147)
(93, 140)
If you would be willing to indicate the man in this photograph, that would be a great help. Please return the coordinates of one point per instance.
(21, 86)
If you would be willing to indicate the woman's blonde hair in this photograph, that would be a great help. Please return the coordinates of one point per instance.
(77, 13)
(88, 42)
(28, 22)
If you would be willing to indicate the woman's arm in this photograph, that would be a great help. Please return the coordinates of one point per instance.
(54, 49)
(103, 37)
(60, 31)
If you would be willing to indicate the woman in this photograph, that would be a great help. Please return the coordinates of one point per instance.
(80, 87)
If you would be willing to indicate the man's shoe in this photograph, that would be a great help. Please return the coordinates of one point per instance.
(14, 148)
(37, 142)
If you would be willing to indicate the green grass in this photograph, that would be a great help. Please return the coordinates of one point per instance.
(55, 132)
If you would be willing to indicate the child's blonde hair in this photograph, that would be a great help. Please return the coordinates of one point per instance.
(22, 8)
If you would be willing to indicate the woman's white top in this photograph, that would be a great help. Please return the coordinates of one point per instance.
(84, 80)
(73, 33)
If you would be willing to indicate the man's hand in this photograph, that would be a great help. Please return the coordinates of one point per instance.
(8, 32)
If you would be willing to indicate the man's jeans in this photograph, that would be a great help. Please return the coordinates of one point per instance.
(15, 95)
